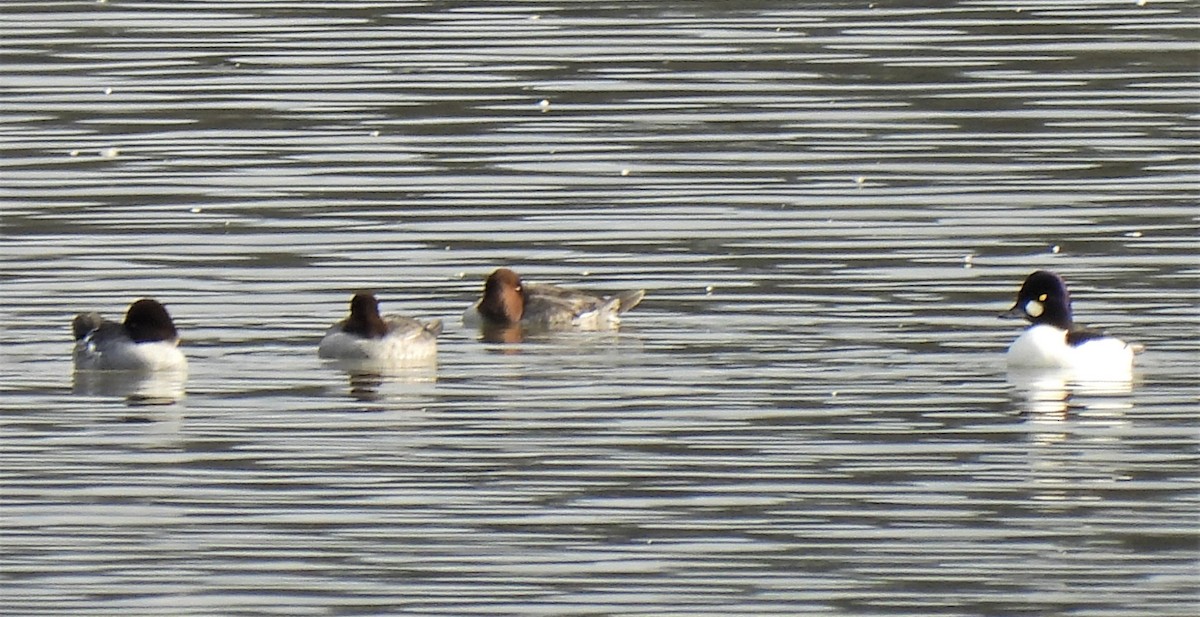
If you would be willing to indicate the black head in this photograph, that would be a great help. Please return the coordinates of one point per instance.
(364, 317)
(1043, 299)
(147, 321)
(503, 297)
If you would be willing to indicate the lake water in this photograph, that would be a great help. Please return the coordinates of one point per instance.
(810, 412)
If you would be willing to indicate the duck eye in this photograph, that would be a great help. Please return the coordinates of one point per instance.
(1042, 298)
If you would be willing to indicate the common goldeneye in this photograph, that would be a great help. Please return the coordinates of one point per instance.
(146, 341)
(508, 302)
(366, 336)
(1054, 339)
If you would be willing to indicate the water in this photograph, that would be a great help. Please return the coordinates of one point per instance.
(810, 413)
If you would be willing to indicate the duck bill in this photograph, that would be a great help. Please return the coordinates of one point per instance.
(1013, 313)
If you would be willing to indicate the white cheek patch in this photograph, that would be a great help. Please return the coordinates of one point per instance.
(1033, 308)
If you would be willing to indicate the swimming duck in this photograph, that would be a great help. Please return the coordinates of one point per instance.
(146, 341)
(365, 335)
(1053, 339)
(509, 302)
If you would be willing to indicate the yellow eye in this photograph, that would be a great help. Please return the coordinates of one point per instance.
(1042, 298)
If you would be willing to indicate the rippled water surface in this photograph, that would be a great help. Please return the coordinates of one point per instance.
(827, 204)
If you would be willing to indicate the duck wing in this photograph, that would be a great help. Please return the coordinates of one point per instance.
(552, 305)
(1079, 335)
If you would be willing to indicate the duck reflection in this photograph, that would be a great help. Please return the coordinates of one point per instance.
(507, 337)
(1075, 442)
(138, 388)
(1050, 397)
(374, 381)
(503, 334)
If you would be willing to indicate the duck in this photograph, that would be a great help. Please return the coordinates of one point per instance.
(367, 336)
(146, 340)
(1054, 340)
(509, 302)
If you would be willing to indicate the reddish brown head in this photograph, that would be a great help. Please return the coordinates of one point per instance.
(503, 298)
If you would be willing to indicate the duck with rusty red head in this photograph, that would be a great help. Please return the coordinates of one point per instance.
(510, 302)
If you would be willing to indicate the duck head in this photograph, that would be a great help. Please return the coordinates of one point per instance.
(503, 298)
(1043, 299)
(364, 317)
(147, 321)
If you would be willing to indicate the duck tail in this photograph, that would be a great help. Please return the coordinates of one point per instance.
(433, 326)
(85, 323)
(629, 299)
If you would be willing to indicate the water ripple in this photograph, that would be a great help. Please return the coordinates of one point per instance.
(809, 413)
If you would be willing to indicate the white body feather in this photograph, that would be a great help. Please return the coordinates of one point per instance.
(1045, 346)
(408, 341)
(109, 349)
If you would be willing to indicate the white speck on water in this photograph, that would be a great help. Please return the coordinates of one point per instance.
(107, 91)
(375, 133)
(1133, 234)
(110, 153)
(860, 181)
(1055, 249)
(545, 105)
(196, 210)
(709, 290)
(625, 172)
(73, 153)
